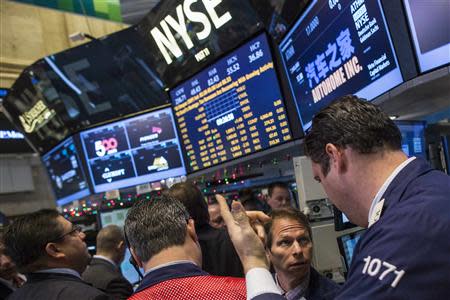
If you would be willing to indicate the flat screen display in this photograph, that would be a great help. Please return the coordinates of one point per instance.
(347, 244)
(117, 217)
(133, 151)
(338, 48)
(184, 37)
(98, 81)
(66, 174)
(413, 138)
(232, 108)
(429, 22)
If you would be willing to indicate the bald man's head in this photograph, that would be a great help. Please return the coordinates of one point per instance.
(111, 242)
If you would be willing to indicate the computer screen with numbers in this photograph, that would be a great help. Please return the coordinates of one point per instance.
(232, 108)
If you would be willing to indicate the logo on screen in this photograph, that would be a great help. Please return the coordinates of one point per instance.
(106, 146)
(109, 175)
(156, 130)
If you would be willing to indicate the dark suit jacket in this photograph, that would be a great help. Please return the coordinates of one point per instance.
(218, 253)
(51, 286)
(107, 277)
(5, 290)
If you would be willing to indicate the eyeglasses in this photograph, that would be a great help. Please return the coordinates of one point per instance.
(75, 229)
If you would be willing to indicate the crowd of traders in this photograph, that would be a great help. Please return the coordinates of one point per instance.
(356, 155)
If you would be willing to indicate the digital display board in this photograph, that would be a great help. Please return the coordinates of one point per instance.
(185, 36)
(72, 90)
(413, 138)
(429, 22)
(232, 108)
(66, 174)
(338, 48)
(133, 151)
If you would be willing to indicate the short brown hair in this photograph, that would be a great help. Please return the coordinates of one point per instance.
(285, 213)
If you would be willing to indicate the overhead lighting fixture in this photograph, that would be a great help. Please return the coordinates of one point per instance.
(393, 117)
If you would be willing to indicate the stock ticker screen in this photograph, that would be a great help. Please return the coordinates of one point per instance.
(338, 48)
(66, 174)
(133, 151)
(232, 108)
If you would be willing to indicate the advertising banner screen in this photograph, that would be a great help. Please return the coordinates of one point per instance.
(338, 48)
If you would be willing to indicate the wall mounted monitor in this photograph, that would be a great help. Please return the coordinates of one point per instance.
(429, 23)
(338, 48)
(413, 138)
(117, 217)
(69, 91)
(129, 152)
(232, 108)
(347, 244)
(66, 173)
(184, 37)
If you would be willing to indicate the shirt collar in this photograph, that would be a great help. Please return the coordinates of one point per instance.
(386, 184)
(297, 292)
(106, 259)
(60, 271)
(176, 262)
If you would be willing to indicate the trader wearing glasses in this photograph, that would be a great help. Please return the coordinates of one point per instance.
(52, 253)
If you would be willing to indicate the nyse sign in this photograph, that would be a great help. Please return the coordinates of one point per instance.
(165, 39)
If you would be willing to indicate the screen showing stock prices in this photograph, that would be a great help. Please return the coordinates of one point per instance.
(232, 108)
(133, 151)
(66, 174)
(338, 48)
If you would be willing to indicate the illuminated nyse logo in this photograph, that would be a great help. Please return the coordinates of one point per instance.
(156, 131)
(37, 116)
(109, 175)
(106, 146)
(166, 41)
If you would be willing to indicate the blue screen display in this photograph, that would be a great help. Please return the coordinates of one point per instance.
(413, 138)
(338, 48)
(133, 151)
(232, 108)
(349, 242)
(429, 22)
(66, 174)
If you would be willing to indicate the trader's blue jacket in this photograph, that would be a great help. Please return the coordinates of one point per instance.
(406, 254)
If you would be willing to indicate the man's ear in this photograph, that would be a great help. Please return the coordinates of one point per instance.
(136, 258)
(337, 156)
(191, 230)
(53, 251)
(121, 246)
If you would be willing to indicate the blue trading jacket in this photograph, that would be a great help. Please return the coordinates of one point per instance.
(406, 254)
